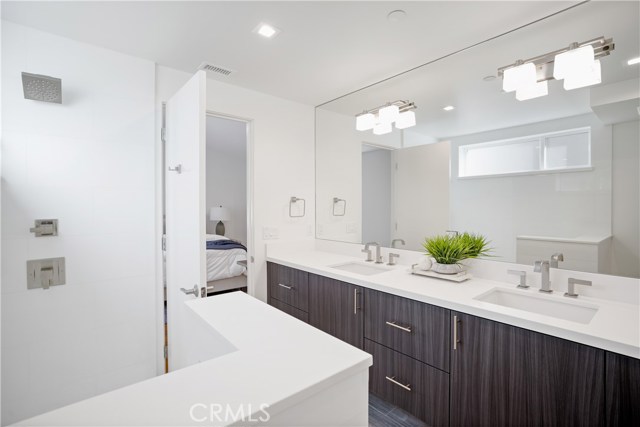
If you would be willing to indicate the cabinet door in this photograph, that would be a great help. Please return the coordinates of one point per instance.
(412, 385)
(502, 375)
(336, 308)
(288, 285)
(411, 327)
(623, 390)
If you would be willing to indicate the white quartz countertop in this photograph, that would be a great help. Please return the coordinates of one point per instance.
(615, 326)
(278, 361)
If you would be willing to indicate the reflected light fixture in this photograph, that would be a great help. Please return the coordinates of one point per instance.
(449, 108)
(578, 65)
(381, 118)
(634, 61)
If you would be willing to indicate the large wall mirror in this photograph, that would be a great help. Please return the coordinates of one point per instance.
(555, 173)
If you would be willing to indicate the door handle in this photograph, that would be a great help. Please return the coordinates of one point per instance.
(194, 291)
(177, 169)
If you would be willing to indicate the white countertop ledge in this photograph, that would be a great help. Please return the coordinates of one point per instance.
(279, 361)
(615, 327)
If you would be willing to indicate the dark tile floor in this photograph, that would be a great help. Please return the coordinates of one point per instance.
(385, 414)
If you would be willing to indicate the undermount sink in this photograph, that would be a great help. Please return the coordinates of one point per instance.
(361, 268)
(546, 305)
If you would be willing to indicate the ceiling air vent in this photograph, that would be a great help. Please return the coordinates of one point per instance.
(210, 68)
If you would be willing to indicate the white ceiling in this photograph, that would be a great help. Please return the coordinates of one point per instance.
(482, 106)
(326, 49)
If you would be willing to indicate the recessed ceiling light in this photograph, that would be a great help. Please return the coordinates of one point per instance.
(449, 108)
(634, 61)
(266, 30)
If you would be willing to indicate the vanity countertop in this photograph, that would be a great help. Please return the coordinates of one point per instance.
(615, 326)
(273, 359)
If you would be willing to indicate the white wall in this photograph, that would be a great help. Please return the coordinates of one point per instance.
(625, 246)
(282, 135)
(376, 196)
(226, 177)
(570, 204)
(88, 163)
(422, 192)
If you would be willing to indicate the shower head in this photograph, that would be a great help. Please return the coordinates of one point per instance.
(42, 88)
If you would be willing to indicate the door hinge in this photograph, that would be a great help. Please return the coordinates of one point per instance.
(164, 242)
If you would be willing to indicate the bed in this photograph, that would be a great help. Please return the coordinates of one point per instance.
(226, 268)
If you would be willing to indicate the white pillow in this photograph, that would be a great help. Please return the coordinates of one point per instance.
(212, 237)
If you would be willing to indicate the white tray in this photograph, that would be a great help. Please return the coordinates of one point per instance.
(459, 277)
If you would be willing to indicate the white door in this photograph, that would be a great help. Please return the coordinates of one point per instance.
(185, 213)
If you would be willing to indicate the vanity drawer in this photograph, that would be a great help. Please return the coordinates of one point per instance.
(413, 386)
(288, 285)
(292, 311)
(416, 329)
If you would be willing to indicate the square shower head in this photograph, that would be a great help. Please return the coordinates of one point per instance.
(42, 88)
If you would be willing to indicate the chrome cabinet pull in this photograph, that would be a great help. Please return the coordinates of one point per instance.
(455, 332)
(393, 380)
(285, 286)
(402, 328)
(355, 301)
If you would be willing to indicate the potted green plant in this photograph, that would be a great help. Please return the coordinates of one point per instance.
(447, 251)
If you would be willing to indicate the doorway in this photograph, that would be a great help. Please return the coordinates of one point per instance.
(227, 202)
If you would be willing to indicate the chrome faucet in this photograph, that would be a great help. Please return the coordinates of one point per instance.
(392, 258)
(571, 288)
(555, 258)
(393, 242)
(542, 267)
(368, 252)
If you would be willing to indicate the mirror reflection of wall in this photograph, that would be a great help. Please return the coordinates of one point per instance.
(558, 173)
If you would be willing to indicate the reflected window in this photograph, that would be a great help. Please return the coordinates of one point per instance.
(555, 151)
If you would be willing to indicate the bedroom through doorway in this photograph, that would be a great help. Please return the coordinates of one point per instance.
(227, 204)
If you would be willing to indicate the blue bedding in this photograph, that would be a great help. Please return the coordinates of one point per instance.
(225, 244)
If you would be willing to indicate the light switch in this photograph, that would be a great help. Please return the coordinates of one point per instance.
(43, 273)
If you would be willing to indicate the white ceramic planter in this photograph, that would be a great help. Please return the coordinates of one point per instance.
(446, 268)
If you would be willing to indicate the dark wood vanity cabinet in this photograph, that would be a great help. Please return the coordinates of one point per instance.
(458, 369)
(502, 375)
(622, 390)
(335, 307)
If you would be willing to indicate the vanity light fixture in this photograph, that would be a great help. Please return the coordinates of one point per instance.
(266, 30)
(634, 61)
(578, 65)
(381, 118)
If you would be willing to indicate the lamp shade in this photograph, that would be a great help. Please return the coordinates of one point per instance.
(365, 121)
(388, 114)
(573, 63)
(519, 77)
(406, 119)
(218, 213)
